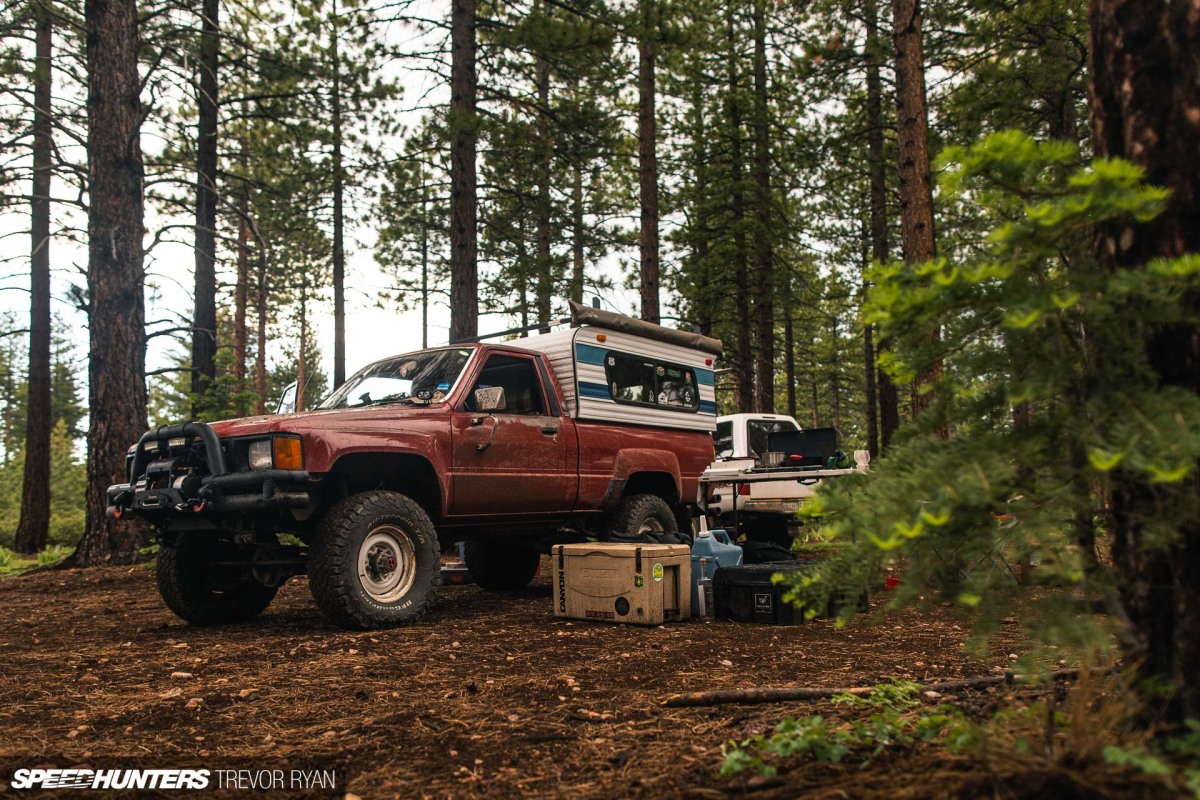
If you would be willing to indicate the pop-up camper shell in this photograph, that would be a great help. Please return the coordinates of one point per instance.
(617, 369)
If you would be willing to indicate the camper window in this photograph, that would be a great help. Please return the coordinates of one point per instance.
(645, 382)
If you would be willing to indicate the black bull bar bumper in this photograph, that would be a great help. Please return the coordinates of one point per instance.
(218, 492)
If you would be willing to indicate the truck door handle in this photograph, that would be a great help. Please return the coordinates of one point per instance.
(549, 430)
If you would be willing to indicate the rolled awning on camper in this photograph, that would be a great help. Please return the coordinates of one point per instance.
(599, 318)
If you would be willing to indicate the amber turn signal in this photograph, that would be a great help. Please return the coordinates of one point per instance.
(288, 452)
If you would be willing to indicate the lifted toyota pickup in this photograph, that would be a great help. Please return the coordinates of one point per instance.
(508, 447)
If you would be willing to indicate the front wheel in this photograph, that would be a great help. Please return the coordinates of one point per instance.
(201, 578)
(374, 562)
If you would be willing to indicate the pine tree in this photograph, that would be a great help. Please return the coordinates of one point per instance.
(34, 526)
(116, 319)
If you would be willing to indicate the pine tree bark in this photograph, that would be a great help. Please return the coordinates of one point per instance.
(789, 355)
(743, 361)
(204, 318)
(464, 270)
(545, 267)
(339, 218)
(425, 228)
(1144, 101)
(888, 398)
(116, 306)
(260, 317)
(34, 525)
(577, 248)
(916, 185)
(302, 357)
(764, 259)
(648, 160)
(241, 289)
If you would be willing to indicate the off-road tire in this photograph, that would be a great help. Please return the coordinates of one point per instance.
(338, 585)
(500, 565)
(191, 588)
(637, 511)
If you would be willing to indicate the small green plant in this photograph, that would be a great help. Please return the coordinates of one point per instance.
(6, 557)
(54, 554)
(1172, 756)
(896, 720)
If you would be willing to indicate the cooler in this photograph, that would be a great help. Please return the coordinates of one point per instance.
(641, 584)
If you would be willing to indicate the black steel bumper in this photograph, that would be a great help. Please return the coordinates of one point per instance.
(216, 493)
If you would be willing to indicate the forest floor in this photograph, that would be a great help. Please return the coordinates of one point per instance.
(489, 696)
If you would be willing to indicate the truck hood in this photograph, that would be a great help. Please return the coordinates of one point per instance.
(303, 422)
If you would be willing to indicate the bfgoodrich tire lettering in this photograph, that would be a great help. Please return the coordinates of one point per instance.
(374, 562)
(201, 593)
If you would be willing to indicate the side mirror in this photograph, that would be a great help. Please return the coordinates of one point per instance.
(489, 399)
(287, 401)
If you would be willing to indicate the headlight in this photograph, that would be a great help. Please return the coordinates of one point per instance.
(278, 452)
(260, 455)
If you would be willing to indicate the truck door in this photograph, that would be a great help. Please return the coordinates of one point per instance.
(518, 460)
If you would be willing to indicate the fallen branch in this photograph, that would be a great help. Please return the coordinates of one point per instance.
(787, 693)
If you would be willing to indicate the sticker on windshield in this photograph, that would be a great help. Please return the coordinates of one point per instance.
(443, 386)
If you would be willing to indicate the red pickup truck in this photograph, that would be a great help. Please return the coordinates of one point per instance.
(508, 448)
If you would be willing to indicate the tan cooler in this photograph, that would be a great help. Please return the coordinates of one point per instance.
(641, 584)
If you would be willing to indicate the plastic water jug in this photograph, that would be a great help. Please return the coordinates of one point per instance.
(717, 550)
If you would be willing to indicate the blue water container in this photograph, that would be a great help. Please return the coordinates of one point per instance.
(718, 551)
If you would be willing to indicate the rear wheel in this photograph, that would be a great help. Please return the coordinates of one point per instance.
(500, 565)
(201, 578)
(374, 562)
(641, 513)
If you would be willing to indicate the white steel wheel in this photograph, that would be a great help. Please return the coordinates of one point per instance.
(387, 563)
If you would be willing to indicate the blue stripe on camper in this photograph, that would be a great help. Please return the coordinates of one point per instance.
(708, 407)
(596, 391)
(589, 354)
(704, 377)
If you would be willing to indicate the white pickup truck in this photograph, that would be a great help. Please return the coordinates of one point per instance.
(757, 490)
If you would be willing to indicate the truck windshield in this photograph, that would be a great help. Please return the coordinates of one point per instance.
(420, 378)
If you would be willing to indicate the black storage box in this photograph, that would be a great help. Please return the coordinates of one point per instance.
(746, 594)
(810, 448)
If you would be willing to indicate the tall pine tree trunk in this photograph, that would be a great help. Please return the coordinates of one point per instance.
(545, 267)
(1145, 92)
(425, 228)
(708, 307)
(577, 252)
(916, 187)
(260, 317)
(743, 361)
(764, 261)
(889, 399)
(204, 319)
(464, 270)
(789, 356)
(648, 159)
(241, 289)
(339, 218)
(34, 525)
(302, 358)
(116, 305)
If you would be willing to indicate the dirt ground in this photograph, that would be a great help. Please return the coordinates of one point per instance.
(490, 696)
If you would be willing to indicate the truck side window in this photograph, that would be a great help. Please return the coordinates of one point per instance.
(518, 376)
